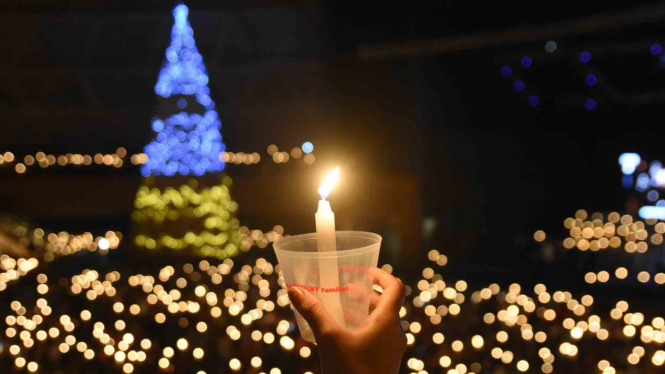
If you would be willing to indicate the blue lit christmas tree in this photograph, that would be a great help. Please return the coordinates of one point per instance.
(188, 140)
(195, 216)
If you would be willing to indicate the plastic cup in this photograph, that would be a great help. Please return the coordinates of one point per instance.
(302, 266)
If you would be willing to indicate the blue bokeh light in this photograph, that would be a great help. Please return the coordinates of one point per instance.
(654, 168)
(307, 147)
(519, 86)
(506, 71)
(653, 195)
(643, 181)
(590, 104)
(533, 101)
(629, 162)
(591, 80)
(627, 181)
(186, 142)
(656, 49)
(180, 12)
(158, 125)
(585, 56)
(526, 62)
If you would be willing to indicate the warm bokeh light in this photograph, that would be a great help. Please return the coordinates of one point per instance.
(523, 327)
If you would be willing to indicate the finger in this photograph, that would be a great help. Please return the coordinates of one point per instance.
(356, 316)
(312, 309)
(358, 291)
(392, 297)
(374, 300)
(353, 317)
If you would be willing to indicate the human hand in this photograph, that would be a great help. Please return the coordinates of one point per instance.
(377, 346)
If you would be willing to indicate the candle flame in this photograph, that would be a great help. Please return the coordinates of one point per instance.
(328, 183)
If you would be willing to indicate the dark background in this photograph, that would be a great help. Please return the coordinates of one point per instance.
(407, 89)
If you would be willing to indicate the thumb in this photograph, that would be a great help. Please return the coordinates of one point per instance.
(312, 309)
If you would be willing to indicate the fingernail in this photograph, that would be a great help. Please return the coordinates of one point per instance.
(295, 293)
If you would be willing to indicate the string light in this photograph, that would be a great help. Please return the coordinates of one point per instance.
(115, 161)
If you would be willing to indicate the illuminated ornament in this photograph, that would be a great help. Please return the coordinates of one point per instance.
(188, 139)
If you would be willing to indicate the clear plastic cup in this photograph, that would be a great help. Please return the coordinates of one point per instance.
(346, 287)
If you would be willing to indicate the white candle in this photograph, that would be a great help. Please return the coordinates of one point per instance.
(325, 237)
(325, 227)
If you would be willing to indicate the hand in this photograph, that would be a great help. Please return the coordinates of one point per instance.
(377, 346)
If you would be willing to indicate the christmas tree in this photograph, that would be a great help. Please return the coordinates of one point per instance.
(171, 213)
(188, 139)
